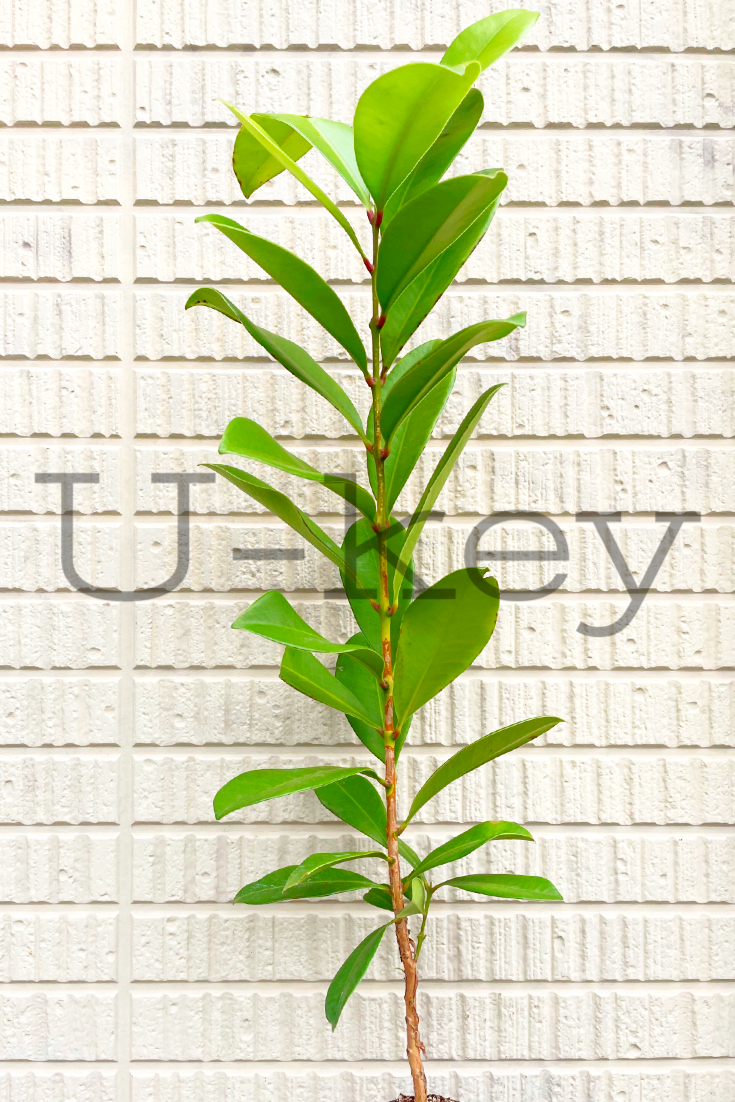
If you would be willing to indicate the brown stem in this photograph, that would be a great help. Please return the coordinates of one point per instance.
(414, 1048)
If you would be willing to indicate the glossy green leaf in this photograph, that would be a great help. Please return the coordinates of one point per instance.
(505, 886)
(439, 156)
(467, 842)
(271, 888)
(490, 38)
(429, 225)
(317, 862)
(273, 617)
(302, 671)
(350, 974)
(258, 785)
(411, 438)
(399, 117)
(360, 551)
(380, 896)
(479, 753)
(291, 356)
(412, 387)
(300, 281)
(280, 155)
(442, 633)
(356, 802)
(245, 437)
(439, 478)
(336, 142)
(363, 685)
(411, 908)
(253, 164)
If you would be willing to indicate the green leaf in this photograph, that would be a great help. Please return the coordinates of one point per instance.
(273, 617)
(354, 676)
(412, 387)
(430, 224)
(490, 38)
(336, 142)
(442, 633)
(410, 439)
(399, 117)
(357, 803)
(380, 896)
(271, 887)
(253, 164)
(301, 282)
(439, 156)
(439, 477)
(291, 356)
(479, 753)
(317, 862)
(258, 785)
(467, 842)
(360, 551)
(350, 974)
(279, 154)
(302, 671)
(505, 886)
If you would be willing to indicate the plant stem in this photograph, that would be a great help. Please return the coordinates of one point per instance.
(414, 1047)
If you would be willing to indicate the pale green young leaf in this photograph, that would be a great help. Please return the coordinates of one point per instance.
(270, 888)
(350, 974)
(479, 753)
(490, 38)
(258, 785)
(399, 117)
(253, 164)
(336, 143)
(360, 682)
(300, 281)
(467, 842)
(442, 633)
(505, 886)
(317, 862)
(272, 617)
(291, 356)
(302, 671)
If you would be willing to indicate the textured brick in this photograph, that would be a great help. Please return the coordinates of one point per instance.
(60, 325)
(520, 88)
(58, 868)
(550, 169)
(56, 401)
(57, 948)
(486, 1025)
(606, 324)
(63, 23)
(598, 712)
(58, 1086)
(19, 491)
(45, 1025)
(53, 168)
(66, 91)
(59, 247)
(63, 789)
(30, 555)
(48, 634)
(587, 866)
(670, 24)
(59, 711)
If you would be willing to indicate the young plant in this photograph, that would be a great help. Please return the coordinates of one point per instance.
(409, 126)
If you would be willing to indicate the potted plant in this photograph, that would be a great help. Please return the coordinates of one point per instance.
(409, 126)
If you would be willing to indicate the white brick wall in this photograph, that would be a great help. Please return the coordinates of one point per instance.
(126, 975)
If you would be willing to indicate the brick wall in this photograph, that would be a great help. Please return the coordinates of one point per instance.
(127, 976)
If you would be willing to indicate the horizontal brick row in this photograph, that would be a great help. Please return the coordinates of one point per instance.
(60, 324)
(59, 711)
(66, 91)
(501, 1025)
(56, 401)
(64, 23)
(254, 945)
(559, 247)
(542, 168)
(54, 634)
(43, 1025)
(58, 948)
(58, 867)
(52, 1086)
(59, 246)
(56, 168)
(19, 491)
(63, 789)
(30, 556)
(226, 710)
(671, 25)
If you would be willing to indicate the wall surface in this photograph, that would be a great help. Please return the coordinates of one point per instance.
(128, 976)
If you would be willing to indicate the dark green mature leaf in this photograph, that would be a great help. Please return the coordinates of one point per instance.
(294, 358)
(467, 842)
(439, 478)
(412, 387)
(439, 156)
(253, 164)
(336, 142)
(302, 671)
(258, 785)
(271, 887)
(360, 551)
(399, 117)
(273, 617)
(360, 682)
(429, 225)
(357, 803)
(279, 154)
(490, 38)
(380, 897)
(505, 886)
(316, 863)
(301, 282)
(411, 437)
(400, 369)
(442, 633)
(479, 753)
(350, 974)
(245, 437)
